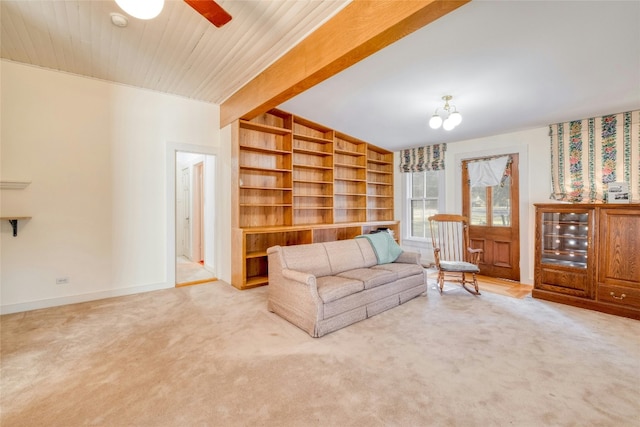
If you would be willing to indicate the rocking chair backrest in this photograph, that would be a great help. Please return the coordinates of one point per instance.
(450, 233)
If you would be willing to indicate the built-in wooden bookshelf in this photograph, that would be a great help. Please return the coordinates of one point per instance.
(300, 182)
(350, 170)
(379, 184)
(265, 175)
(312, 173)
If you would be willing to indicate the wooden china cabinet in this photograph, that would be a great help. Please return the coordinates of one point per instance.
(295, 182)
(588, 255)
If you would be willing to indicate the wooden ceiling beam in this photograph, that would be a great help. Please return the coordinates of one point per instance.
(360, 29)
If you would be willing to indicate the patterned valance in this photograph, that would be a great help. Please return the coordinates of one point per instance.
(586, 155)
(420, 159)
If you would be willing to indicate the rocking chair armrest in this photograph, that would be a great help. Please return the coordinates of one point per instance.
(474, 255)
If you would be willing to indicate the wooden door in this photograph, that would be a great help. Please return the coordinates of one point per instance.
(494, 224)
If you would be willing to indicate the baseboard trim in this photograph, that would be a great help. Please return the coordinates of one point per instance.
(74, 299)
(196, 282)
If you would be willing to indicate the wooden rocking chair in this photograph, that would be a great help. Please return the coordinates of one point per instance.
(455, 259)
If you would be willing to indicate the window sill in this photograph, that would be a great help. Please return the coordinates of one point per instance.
(416, 240)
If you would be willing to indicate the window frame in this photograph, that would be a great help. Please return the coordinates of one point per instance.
(407, 194)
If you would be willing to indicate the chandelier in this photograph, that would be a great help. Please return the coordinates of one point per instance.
(451, 119)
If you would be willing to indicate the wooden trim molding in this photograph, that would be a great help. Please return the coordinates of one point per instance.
(357, 31)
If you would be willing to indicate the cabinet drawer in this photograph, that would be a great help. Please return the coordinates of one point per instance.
(565, 279)
(619, 295)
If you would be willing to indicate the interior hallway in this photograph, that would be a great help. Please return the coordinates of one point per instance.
(191, 273)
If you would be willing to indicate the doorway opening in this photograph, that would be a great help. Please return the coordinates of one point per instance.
(195, 209)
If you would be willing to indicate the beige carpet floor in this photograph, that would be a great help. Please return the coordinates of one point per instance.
(210, 355)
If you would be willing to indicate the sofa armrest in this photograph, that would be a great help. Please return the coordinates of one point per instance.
(300, 277)
(408, 257)
(294, 292)
(305, 282)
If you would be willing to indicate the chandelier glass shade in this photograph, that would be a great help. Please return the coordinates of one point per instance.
(141, 9)
(451, 118)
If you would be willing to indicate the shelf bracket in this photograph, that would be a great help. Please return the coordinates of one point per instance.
(14, 224)
(13, 220)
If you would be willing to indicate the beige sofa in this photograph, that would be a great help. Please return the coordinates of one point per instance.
(322, 287)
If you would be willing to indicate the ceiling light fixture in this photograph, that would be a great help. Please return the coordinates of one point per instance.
(119, 20)
(451, 120)
(141, 9)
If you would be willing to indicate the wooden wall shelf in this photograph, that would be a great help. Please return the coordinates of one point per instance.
(301, 182)
(246, 124)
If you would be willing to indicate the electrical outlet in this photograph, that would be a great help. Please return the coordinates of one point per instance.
(62, 280)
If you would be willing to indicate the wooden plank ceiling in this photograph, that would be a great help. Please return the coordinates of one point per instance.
(179, 52)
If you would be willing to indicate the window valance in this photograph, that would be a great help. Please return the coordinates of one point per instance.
(587, 155)
(420, 159)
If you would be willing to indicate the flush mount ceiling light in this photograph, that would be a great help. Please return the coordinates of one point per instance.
(119, 20)
(451, 118)
(141, 9)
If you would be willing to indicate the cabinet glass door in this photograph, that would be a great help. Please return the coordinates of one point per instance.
(565, 239)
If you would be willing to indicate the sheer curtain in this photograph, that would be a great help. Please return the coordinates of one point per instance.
(587, 155)
(488, 172)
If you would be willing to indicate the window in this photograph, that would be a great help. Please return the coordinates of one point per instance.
(499, 215)
(489, 205)
(423, 190)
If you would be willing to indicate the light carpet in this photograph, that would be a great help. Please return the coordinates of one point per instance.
(210, 355)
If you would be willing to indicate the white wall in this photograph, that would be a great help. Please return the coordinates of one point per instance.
(535, 183)
(95, 153)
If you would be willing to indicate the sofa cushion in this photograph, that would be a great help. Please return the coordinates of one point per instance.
(368, 253)
(401, 269)
(332, 288)
(310, 258)
(370, 277)
(348, 255)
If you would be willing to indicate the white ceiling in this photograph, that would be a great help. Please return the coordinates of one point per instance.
(510, 65)
(178, 52)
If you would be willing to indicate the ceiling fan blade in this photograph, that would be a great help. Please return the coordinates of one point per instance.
(211, 11)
